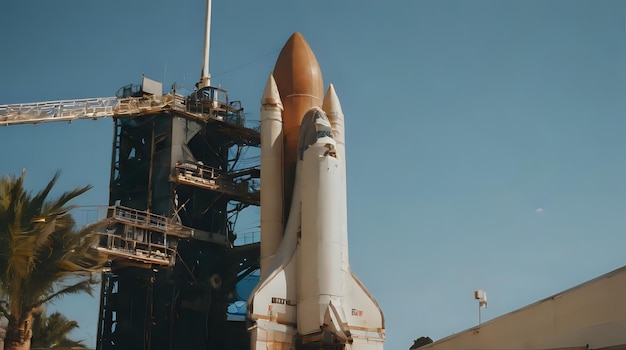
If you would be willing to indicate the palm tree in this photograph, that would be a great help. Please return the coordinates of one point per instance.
(42, 256)
(50, 331)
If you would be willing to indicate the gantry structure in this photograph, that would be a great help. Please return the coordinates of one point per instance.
(177, 185)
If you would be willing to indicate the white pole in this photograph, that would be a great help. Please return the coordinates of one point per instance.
(205, 80)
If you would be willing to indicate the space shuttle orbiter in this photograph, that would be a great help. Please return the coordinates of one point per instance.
(307, 298)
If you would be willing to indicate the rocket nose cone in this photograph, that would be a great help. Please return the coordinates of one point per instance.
(270, 94)
(331, 104)
(297, 71)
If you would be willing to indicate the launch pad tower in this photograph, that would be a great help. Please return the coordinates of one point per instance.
(176, 187)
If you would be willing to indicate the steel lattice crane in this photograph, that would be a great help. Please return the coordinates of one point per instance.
(50, 111)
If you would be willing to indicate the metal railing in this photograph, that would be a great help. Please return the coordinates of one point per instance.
(150, 221)
(234, 184)
(67, 110)
(149, 252)
(94, 108)
(135, 105)
(248, 238)
(198, 170)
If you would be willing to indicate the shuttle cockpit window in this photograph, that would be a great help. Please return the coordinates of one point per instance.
(314, 126)
(324, 133)
(322, 125)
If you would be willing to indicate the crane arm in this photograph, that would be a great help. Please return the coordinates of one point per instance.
(49, 111)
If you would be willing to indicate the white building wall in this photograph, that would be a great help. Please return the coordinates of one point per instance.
(593, 314)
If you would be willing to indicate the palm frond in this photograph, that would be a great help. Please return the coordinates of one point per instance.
(82, 286)
(40, 247)
(52, 330)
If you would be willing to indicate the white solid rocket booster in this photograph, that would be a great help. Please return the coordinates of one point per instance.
(271, 172)
(332, 108)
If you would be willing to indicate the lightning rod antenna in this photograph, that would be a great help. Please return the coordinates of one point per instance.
(205, 79)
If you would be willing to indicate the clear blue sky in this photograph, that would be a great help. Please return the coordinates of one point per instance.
(486, 140)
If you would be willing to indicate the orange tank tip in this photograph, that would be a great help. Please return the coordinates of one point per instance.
(297, 71)
(299, 81)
